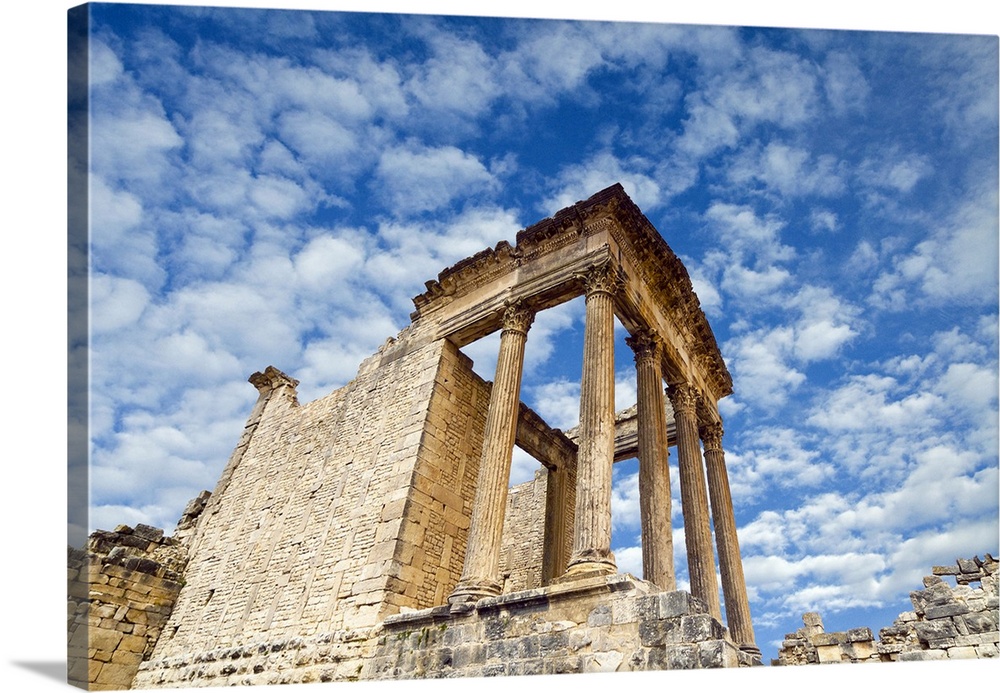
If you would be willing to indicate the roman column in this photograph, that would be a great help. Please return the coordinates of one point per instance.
(654, 470)
(694, 498)
(592, 520)
(734, 587)
(480, 574)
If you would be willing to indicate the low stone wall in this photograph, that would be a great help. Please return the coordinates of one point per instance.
(613, 623)
(333, 656)
(959, 622)
(121, 589)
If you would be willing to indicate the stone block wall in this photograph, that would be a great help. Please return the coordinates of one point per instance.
(522, 546)
(122, 589)
(947, 622)
(330, 516)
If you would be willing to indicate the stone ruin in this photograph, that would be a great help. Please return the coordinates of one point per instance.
(371, 534)
(947, 622)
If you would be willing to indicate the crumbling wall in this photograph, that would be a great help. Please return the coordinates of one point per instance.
(122, 589)
(946, 622)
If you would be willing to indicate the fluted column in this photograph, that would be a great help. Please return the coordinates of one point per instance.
(592, 521)
(694, 498)
(734, 587)
(654, 470)
(480, 574)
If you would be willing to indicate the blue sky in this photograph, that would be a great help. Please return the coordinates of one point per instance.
(274, 188)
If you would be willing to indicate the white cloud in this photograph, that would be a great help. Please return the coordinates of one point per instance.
(557, 402)
(425, 179)
(580, 181)
(319, 139)
(456, 83)
(868, 401)
(761, 373)
(115, 303)
(847, 88)
(628, 559)
(789, 171)
(746, 283)
(956, 263)
(894, 171)
(742, 232)
(768, 87)
(823, 220)
(625, 502)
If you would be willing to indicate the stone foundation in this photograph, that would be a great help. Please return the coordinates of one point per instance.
(604, 623)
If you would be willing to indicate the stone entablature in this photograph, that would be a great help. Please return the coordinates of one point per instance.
(946, 623)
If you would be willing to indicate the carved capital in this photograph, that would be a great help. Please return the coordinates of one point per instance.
(645, 344)
(684, 399)
(711, 436)
(517, 317)
(607, 279)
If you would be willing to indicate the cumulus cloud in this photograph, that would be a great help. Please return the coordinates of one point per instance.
(957, 262)
(789, 171)
(423, 179)
(580, 181)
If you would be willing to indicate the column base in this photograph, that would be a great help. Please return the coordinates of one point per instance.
(588, 565)
(751, 649)
(471, 591)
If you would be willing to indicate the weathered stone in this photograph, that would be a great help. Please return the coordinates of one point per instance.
(945, 610)
(922, 655)
(930, 631)
(968, 565)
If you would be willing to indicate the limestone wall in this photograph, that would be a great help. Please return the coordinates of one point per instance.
(330, 516)
(947, 622)
(122, 589)
(522, 547)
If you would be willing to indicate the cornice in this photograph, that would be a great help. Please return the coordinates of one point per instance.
(657, 265)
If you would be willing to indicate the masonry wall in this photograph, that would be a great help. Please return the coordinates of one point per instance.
(522, 545)
(330, 516)
(947, 622)
(122, 589)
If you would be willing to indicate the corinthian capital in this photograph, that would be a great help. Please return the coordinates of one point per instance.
(645, 344)
(711, 435)
(684, 399)
(517, 317)
(607, 278)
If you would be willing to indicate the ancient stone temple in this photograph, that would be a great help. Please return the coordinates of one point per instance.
(371, 534)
